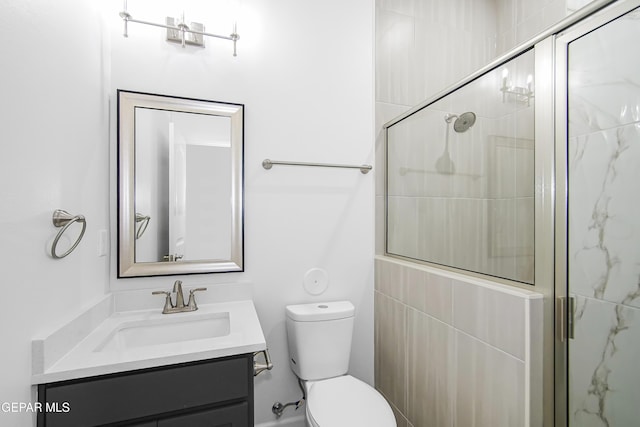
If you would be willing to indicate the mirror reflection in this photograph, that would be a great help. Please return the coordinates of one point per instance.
(181, 160)
(180, 172)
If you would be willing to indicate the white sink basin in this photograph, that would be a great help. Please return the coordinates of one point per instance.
(168, 330)
(102, 341)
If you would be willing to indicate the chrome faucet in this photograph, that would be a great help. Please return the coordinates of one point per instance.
(179, 306)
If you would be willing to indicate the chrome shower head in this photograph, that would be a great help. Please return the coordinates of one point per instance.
(464, 122)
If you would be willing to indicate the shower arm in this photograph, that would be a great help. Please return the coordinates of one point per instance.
(449, 116)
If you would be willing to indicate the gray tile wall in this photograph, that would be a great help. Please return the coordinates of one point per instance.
(455, 351)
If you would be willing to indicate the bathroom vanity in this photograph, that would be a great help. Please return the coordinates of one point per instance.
(214, 392)
(144, 368)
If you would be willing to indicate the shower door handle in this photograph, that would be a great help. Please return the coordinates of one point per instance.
(565, 314)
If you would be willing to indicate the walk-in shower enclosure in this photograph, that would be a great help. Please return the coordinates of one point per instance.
(526, 173)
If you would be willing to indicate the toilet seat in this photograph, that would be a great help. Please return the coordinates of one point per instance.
(346, 401)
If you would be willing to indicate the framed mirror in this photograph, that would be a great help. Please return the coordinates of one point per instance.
(180, 185)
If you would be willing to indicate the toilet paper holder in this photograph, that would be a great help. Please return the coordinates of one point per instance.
(261, 367)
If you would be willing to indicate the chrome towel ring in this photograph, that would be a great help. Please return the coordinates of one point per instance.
(64, 219)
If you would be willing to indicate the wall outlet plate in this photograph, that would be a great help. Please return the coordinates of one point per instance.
(316, 281)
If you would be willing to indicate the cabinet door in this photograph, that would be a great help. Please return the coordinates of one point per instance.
(148, 393)
(228, 416)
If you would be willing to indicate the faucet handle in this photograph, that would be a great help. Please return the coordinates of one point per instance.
(177, 286)
(168, 304)
(192, 299)
(161, 293)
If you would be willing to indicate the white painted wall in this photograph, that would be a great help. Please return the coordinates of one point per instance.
(304, 73)
(55, 155)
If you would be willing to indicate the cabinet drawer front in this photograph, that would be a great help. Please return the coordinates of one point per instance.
(145, 393)
(229, 416)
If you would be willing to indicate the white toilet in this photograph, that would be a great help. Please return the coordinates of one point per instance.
(319, 336)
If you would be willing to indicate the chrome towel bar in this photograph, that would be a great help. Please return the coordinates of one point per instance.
(64, 219)
(268, 164)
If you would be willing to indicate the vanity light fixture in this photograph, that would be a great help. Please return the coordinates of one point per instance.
(179, 31)
(519, 93)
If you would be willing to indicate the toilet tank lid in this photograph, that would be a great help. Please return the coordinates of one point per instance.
(318, 311)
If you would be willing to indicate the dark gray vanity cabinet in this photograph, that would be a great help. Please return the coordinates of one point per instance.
(210, 393)
(221, 417)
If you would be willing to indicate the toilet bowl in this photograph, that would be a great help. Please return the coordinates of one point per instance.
(346, 402)
(319, 337)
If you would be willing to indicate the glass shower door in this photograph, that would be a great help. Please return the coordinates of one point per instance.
(603, 220)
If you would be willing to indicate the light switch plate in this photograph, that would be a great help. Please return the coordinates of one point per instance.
(103, 243)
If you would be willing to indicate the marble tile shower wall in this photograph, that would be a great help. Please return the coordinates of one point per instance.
(604, 218)
(456, 352)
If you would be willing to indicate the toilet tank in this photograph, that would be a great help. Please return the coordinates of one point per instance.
(319, 337)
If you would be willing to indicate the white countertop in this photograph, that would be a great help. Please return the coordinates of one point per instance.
(52, 362)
